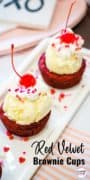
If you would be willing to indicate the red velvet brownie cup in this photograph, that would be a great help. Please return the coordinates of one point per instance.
(25, 111)
(62, 65)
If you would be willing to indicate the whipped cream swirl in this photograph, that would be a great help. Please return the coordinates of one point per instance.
(63, 55)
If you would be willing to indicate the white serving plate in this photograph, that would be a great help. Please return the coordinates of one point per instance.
(59, 119)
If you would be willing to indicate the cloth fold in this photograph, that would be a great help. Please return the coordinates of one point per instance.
(24, 38)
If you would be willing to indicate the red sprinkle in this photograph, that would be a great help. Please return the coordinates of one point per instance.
(39, 94)
(52, 91)
(77, 49)
(6, 149)
(53, 45)
(24, 152)
(61, 96)
(17, 89)
(65, 107)
(21, 159)
(9, 89)
(19, 98)
(10, 136)
(34, 90)
(25, 138)
(27, 80)
(67, 46)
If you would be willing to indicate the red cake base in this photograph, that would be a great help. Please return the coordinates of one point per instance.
(60, 81)
(23, 130)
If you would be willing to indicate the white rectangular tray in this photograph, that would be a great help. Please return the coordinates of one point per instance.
(62, 114)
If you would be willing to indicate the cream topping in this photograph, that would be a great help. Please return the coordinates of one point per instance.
(26, 106)
(64, 56)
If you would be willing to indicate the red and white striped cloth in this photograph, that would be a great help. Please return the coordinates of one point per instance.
(68, 172)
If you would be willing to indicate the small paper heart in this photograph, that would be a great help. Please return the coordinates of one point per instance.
(21, 160)
(6, 149)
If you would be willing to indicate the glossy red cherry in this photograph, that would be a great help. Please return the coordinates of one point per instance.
(68, 38)
(26, 80)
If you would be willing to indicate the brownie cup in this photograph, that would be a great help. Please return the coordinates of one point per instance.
(23, 130)
(62, 65)
(25, 111)
(60, 81)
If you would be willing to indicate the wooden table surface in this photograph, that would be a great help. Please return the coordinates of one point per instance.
(83, 28)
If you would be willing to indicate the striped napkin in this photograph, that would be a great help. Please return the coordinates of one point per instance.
(68, 172)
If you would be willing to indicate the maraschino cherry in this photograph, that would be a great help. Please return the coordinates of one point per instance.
(26, 80)
(68, 37)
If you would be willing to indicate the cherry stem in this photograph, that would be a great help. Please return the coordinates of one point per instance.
(12, 61)
(67, 20)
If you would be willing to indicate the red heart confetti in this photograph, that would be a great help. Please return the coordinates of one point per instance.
(52, 91)
(10, 136)
(61, 96)
(6, 149)
(21, 159)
